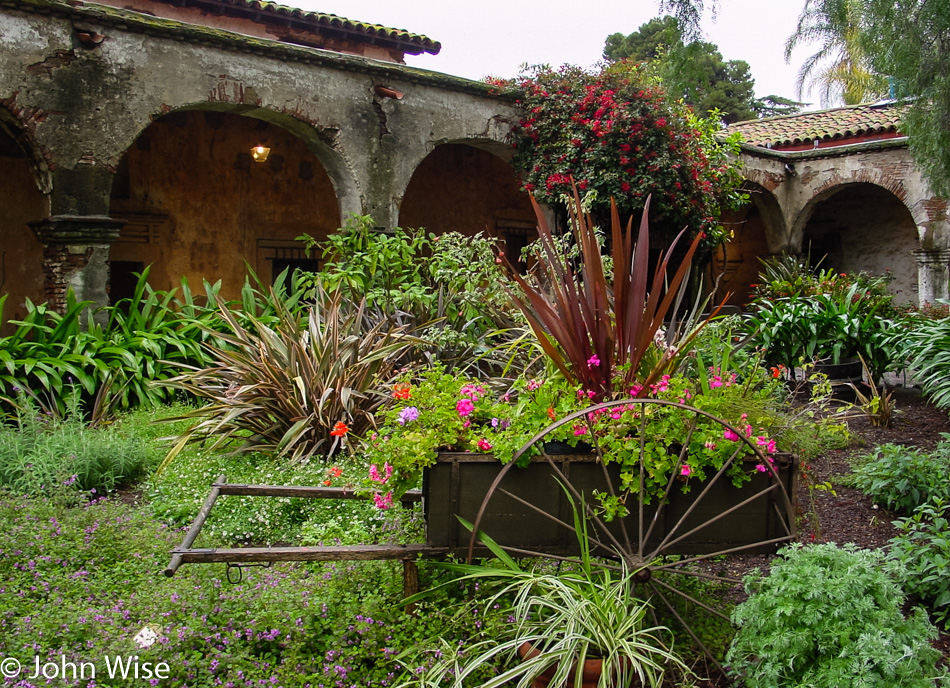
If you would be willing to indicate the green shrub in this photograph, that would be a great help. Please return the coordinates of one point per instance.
(902, 478)
(41, 450)
(925, 346)
(922, 550)
(827, 617)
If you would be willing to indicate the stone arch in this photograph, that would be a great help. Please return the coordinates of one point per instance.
(756, 230)
(469, 186)
(196, 204)
(22, 203)
(862, 225)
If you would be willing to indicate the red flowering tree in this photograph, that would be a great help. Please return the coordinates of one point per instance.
(618, 136)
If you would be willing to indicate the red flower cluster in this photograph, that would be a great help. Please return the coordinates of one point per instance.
(616, 134)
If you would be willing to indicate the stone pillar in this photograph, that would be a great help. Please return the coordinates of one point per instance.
(933, 275)
(76, 256)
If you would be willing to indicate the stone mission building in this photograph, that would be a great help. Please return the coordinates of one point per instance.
(133, 133)
(129, 135)
(839, 183)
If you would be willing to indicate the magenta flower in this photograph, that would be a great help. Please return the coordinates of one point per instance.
(685, 470)
(383, 478)
(730, 435)
(383, 501)
(464, 407)
(761, 468)
(593, 362)
(483, 445)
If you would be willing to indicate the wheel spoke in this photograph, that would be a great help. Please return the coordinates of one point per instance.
(669, 488)
(737, 549)
(722, 514)
(552, 517)
(690, 598)
(686, 626)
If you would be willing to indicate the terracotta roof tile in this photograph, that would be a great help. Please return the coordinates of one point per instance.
(823, 126)
(412, 43)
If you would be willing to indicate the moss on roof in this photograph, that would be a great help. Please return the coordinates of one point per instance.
(822, 126)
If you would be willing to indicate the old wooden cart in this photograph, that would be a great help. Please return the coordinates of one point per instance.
(528, 510)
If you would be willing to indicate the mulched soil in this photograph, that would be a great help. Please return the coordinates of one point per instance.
(847, 515)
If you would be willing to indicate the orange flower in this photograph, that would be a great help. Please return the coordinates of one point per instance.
(336, 471)
(328, 482)
(340, 429)
(551, 413)
(401, 392)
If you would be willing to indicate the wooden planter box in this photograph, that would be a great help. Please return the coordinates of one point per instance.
(457, 484)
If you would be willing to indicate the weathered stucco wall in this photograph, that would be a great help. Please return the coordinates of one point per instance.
(198, 206)
(84, 105)
(459, 188)
(20, 253)
(866, 205)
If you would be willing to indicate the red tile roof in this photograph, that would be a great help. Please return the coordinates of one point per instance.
(823, 128)
(320, 22)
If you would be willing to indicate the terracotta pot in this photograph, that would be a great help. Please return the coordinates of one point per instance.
(592, 671)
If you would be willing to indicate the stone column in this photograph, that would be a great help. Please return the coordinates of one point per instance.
(933, 275)
(76, 256)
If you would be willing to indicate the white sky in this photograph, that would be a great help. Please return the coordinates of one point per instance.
(497, 36)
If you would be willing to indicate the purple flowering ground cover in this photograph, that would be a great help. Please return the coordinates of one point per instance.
(79, 580)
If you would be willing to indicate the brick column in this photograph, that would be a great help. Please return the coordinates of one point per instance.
(76, 256)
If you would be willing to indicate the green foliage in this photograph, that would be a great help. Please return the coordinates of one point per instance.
(568, 617)
(825, 326)
(695, 71)
(437, 412)
(40, 451)
(618, 137)
(902, 478)
(924, 346)
(788, 275)
(827, 617)
(294, 388)
(81, 579)
(907, 40)
(921, 552)
(448, 288)
(847, 75)
(143, 340)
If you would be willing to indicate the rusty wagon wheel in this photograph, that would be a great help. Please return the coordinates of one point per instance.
(668, 537)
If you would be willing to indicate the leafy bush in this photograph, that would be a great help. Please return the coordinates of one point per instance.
(620, 137)
(787, 275)
(924, 346)
(922, 552)
(800, 329)
(901, 478)
(41, 451)
(447, 288)
(827, 617)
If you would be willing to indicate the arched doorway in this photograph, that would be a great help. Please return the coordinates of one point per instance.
(735, 265)
(197, 204)
(21, 202)
(864, 227)
(462, 188)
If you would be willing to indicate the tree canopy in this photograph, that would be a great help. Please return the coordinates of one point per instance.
(907, 41)
(695, 72)
(841, 67)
